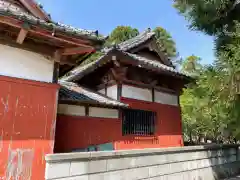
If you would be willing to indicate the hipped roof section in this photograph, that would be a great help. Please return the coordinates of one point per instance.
(136, 41)
(16, 13)
(71, 92)
(142, 62)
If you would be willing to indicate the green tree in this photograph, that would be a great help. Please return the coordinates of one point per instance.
(122, 33)
(191, 65)
(165, 42)
(209, 16)
(221, 20)
(204, 107)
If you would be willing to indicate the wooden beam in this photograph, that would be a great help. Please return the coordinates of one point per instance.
(29, 46)
(82, 49)
(57, 56)
(119, 91)
(34, 9)
(62, 62)
(87, 110)
(55, 72)
(22, 35)
(153, 95)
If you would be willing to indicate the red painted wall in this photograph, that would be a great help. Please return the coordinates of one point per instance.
(27, 127)
(74, 132)
(168, 131)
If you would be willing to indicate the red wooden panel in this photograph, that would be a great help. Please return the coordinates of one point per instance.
(27, 124)
(80, 132)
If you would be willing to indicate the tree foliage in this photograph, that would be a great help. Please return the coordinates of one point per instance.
(122, 33)
(209, 16)
(215, 113)
(166, 42)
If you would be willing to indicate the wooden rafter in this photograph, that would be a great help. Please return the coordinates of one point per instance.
(78, 50)
(38, 31)
(29, 46)
(35, 9)
(21, 36)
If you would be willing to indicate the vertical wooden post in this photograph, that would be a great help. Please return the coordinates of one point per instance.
(119, 91)
(153, 95)
(86, 110)
(57, 59)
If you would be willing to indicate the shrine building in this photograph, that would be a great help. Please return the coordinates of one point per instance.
(126, 99)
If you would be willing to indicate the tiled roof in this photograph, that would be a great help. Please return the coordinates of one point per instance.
(134, 42)
(10, 10)
(155, 64)
(80, 71)
(72, 91)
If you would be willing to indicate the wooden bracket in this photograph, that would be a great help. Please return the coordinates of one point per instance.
(119, 73)
(22, 35)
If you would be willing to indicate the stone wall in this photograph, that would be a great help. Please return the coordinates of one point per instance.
(186, 163)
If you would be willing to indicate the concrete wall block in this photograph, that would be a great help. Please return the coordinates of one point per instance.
(97, 176)
(175, 167)
(57, 170)
(196, 155)
(203, 163)
(75, 178)
(151, 160)
(121, 163)
(97, 166)
(114, 175)
(185, 165)
(213, 161)
(158, 170)
(199, 165)
(172, 158)
(136, 173)
(192, 165)
(78, 168)
(232, 158)
(232, 151)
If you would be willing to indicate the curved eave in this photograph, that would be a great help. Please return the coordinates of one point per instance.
(53, 27)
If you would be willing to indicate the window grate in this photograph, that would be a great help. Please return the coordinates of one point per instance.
(138, 122)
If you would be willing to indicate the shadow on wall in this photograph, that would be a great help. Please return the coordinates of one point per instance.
(223, 162)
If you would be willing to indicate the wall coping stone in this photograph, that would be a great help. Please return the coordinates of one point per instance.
(86, 156)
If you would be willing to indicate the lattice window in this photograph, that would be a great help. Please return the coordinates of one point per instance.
(138, 122)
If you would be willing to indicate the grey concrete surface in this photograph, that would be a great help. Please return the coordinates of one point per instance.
(185, 163)
(235, 178)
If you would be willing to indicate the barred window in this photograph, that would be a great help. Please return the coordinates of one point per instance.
(138, 122)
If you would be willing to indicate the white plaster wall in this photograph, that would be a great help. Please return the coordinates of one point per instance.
(136, 93)
(165, 98)
(103, 112)
(19, 63)
(73, 110)
(112, 91)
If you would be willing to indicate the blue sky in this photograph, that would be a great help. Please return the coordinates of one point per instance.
(105, 15)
